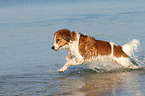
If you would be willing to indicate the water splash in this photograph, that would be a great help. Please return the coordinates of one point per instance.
(106, 66)
(140, 61)
(100, 66)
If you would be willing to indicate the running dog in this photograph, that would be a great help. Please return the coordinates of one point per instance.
(82, 48)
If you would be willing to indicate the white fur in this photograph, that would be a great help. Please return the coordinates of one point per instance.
(100, 58)
(73, 49)
(112, 48)
(55, 44)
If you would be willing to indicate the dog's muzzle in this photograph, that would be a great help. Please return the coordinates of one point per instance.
(53, 47)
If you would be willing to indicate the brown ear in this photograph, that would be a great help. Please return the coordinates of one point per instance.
(66, 38)
(66, 35)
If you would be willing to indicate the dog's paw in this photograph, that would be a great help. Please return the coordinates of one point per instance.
(67, 58)
(60, 71)
(63, 69)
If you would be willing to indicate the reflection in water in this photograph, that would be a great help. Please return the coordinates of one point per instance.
(94, 84)
(102, 83)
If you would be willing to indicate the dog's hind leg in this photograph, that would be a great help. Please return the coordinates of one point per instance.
(125, 62)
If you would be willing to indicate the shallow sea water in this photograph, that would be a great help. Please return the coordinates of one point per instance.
(28, 66)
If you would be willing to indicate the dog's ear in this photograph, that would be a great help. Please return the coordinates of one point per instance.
(66, 35)
(66, 38)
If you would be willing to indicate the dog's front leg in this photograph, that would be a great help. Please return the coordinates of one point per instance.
(73, 61)
(67, 64)
(69, 57)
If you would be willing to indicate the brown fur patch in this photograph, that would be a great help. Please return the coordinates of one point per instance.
(118, 52)
(66, 34)
(89, 47)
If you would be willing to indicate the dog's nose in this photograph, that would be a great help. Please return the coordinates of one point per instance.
(52, 47)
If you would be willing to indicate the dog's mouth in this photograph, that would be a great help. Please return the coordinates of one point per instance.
(58, 48)
(53, 47)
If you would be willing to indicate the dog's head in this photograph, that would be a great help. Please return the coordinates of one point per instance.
(62, 38)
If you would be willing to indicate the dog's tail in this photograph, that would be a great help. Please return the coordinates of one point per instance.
(130, 47)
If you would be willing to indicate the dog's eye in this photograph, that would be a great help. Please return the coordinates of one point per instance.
(58, 39)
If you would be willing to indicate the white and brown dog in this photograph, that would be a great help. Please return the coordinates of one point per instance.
(83, 48)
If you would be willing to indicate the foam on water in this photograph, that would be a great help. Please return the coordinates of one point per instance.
(100, 66)
(107, 66)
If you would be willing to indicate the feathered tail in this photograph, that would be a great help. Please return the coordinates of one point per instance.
(130, 47)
